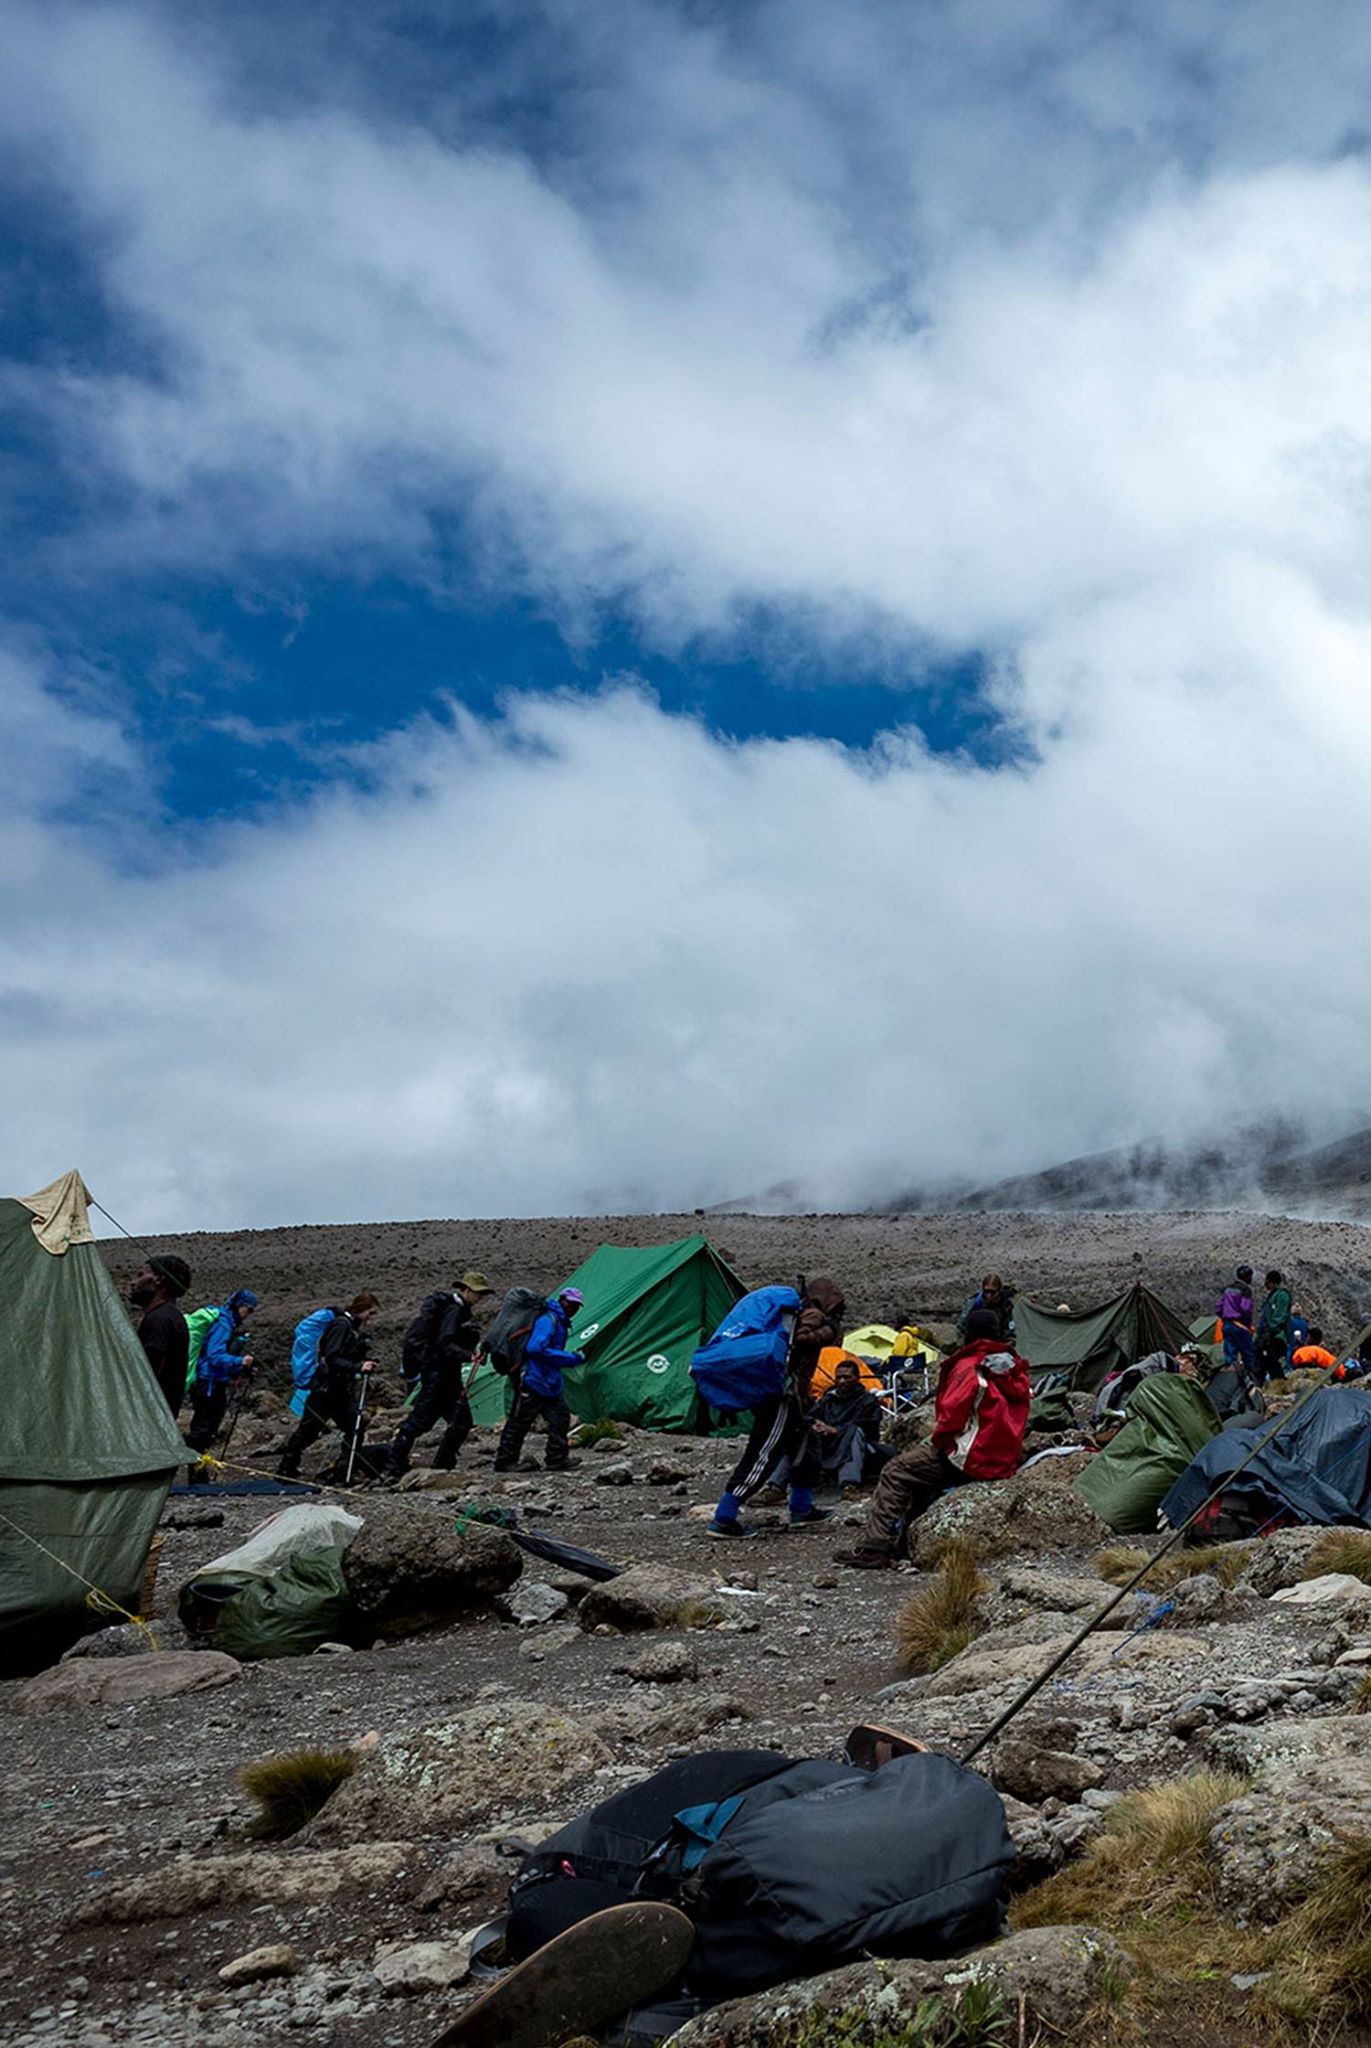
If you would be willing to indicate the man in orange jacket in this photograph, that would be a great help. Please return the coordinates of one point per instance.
(980, 1415)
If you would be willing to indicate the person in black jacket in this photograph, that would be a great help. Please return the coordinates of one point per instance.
(844, 1431)
(332, 1396)
(442, 1390)
(157, 1289)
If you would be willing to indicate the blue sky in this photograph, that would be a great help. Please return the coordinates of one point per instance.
(631, 569)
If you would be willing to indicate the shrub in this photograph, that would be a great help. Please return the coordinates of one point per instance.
(601, 1432)
(940, 1620)
(291, 1789)
(1341, 1550)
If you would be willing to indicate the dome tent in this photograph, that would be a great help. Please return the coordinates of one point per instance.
(647, 1310)
(87, 1447)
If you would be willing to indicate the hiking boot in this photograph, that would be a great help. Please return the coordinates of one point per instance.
(571, 1465)
(770, 1497)
(852, 1491)
(725, 1530)
(865, 1560)
(594, 1971)
(810, 1516)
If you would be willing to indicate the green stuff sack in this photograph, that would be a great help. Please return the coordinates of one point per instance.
(1170, 1420)
(305, 1602)
(199, 1323)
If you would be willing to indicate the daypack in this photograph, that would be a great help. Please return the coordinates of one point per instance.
(744, 1362)
(304, 1354)
(785, 1868)
(507, 1338)
(199, 1323)
(421, 1332)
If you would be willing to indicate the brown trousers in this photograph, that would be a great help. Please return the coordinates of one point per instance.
(907, 1487)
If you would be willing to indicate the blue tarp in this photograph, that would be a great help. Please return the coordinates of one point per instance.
(1317, 1464)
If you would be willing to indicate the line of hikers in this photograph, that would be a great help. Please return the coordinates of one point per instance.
(203, 1358)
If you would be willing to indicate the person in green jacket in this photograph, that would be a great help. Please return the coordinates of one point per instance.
(1273, 1328)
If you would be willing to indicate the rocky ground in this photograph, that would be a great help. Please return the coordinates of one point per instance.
(140, 1909)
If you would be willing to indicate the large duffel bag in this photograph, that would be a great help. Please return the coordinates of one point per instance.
(785, 1868)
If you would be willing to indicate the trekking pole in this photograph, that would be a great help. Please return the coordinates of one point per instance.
(1035, 1686)
(359, 1420)
(234, 1407)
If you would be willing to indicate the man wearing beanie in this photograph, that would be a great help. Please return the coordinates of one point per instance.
(980, 1415)
(157, 1289)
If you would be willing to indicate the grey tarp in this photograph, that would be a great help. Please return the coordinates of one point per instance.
(87, 1446)
(1169, 1420)
(1317, 1463)
(1093, 1342)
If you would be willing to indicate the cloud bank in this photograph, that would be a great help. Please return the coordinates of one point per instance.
(1046, 342)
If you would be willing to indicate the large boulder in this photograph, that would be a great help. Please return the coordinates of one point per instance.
(1032, 1774)
(989, 1661)
(1031, 1513)
(1310, 1790)
(507, 1756)
(1280, 1559)
(1046, 1977)
(122, 1681)
(409, 1570)
(259, 1877)
(651, 1596)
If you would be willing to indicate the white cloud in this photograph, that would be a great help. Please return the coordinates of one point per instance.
(1050, 342)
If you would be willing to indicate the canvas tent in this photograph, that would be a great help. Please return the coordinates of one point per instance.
(1316, 1464)
(87, 1446)
(648, 1309)
(1091, 1343)
(1170, 1419)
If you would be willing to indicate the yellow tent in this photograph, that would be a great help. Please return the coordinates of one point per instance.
(878, 1340)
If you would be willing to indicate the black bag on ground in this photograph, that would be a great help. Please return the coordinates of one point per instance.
(786, 1868)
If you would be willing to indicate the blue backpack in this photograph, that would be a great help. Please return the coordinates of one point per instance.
(744, 1361)
(304, 1354)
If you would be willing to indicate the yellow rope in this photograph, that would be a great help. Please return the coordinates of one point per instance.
(97, 1599)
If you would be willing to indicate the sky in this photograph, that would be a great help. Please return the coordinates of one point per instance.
(608, 605)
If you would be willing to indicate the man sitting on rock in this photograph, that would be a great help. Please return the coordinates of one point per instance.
(980, 1415)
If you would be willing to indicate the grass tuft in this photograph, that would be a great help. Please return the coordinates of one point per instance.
(974, 2016)
(1341, 1550)
(1118, 1563)
(605, 1431)
(1147, 1866)
(1360, 1702)
(1322, 1969)
(698, 1614)
(933, 1626)
(291, 1789)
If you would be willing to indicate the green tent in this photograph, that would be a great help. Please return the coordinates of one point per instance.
(1093, 1342)
(1170, 1420)
(87, 1445)
(1202, 1334)
(648, 1309)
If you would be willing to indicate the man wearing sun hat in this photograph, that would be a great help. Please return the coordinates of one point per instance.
(442, 1380)
(539, 1390)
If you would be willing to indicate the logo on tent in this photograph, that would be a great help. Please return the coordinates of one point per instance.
(659, 1362)
(591, 1330)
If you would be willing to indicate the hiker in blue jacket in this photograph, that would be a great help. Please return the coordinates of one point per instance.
(222, 1360)
(539, 1389)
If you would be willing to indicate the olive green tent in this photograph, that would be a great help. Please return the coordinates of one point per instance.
(648, 1309)
(1093, 1342)
(1170, 1420)
(87, 1446)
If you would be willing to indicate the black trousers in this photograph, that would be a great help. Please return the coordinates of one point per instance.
(331, 1400)
(778, 1432)
(526, 1411)
(440, 1398)
(208, 1404)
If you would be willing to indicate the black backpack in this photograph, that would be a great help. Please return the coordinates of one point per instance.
(785, 1868)
(419, 1336)
(506, 1339)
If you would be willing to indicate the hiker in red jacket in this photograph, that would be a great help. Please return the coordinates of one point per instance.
(980, 1414)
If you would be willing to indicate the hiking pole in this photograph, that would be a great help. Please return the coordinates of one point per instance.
(359, 1420)
(1035, 1686)
(238, 1392)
